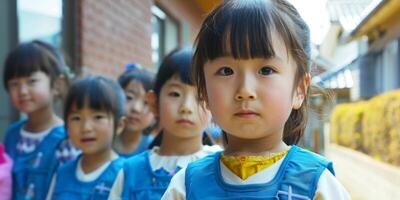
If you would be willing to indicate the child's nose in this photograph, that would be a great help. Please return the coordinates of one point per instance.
(187, 105)
(86, 125)
(137, 106)
(23, 89)
(246, 89)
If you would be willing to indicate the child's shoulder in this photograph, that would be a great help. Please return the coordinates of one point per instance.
(299, 159)
(15, 126)
(307, 155)
(67, 167)
(12, 135)
(139, 159)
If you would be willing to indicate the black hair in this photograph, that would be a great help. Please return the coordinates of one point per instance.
(145, 77)
(244, 30)
(98, 93)
(28, 58)
(178, 62)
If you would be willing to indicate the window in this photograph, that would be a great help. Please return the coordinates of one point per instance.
(40, 19)
(165, 35)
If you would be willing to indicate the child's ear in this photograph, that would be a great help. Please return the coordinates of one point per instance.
(301, 91)
(60, 86)
(121, 125)
(152, 100)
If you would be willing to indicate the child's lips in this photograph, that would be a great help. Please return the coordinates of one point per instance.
(247, 114)
(133, 119)
(24, 101)
(88, 140)
(185, 122)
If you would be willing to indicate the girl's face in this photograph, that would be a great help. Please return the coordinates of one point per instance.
(253, 98)
(31, 93)
(138, 114)
(91, 131)
(180, 113)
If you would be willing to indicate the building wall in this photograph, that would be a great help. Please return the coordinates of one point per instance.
(8, 41)
(114, 33)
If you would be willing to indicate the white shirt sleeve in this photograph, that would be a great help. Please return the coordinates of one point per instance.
(118, 186)
(329, 188)
(51, 188)
(176, 189)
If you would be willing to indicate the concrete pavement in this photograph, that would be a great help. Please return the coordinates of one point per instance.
(364, 177)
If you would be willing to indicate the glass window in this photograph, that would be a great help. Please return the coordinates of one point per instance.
(40, 19)
(165, 35)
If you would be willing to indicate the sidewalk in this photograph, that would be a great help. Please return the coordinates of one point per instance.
(364, 177)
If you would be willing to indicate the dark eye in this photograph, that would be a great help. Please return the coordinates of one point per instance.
(13, 84)
(174, 94)
(224, 71)
(99, 117)
(32, 81)
(74, 118)
(129, 98)
(266, 71)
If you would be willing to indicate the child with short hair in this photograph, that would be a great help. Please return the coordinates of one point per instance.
(251, 67)
(135, 138)
(39, 143)
(94, 116)
(182, 120)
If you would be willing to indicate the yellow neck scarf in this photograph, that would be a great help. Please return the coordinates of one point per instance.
(246, 166)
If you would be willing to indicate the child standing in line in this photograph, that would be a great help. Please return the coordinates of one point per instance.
(5, 174)
(251, 67)
(182, 119)
(38, 144)
(134, 140)
(94, 116)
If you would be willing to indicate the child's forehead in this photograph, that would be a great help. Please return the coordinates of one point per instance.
(135, 83)
(175, 81)
(35, 74)
(86, 107)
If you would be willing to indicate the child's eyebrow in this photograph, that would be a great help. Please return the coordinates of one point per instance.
(133, 91)
(179, 85)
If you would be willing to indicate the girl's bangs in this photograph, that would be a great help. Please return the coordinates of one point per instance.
(242, 33)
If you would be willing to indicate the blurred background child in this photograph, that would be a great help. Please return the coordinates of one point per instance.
(33, 73)
(94, 116)
(136, 137)
(182, 120)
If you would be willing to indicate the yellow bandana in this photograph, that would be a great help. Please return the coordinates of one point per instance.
(246, 166)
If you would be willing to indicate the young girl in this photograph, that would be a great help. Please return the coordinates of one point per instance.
(94, 115)
(38, 144)
(134, 140)
(182, 119)
(251, 68)
(5, 175)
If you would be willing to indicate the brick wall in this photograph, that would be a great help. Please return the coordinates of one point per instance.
(114, 33)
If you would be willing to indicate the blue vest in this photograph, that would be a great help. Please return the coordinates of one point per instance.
(140, 182)
(68, 187)
(32, 172)
(143, 145)
(297, 178)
